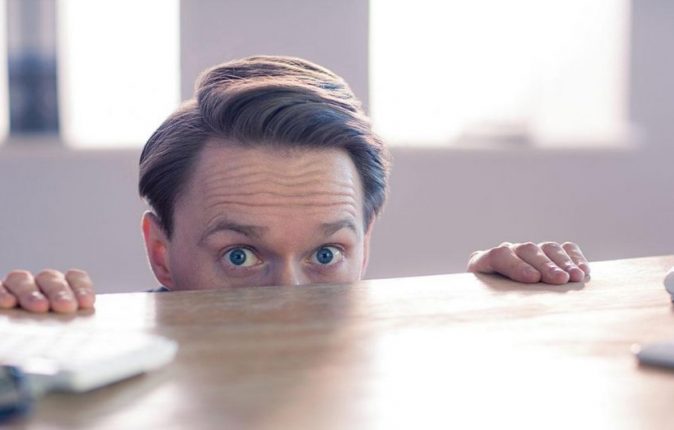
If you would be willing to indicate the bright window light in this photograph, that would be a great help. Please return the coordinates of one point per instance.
(118, 69)
(549, 72)
(4, 86)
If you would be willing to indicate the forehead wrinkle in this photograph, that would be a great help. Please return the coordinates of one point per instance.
(268, 175)
(298, 196)
(307, 188)
(317, 193)
(266, 182)
(346, 203)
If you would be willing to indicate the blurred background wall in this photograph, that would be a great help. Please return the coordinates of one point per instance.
(62, 207)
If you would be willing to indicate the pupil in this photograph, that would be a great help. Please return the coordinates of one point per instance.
(237, 257)
(324, 256)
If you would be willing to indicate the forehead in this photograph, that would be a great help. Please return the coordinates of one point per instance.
(266, 182)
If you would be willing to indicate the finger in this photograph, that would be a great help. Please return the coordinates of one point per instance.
(82, 287)
(479, 261)
(559, 256)
(22, 285)
(53, 284)
(532, 254)
(7, 300)
(577, 256)
(503, 260)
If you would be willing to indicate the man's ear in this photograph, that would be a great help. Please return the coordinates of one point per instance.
(156, 245)
(366, 246)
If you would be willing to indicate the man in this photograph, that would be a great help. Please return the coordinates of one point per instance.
(271, 175)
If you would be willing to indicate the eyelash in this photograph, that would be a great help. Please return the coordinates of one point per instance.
(326, 270)
(230, 266)
(318, 267)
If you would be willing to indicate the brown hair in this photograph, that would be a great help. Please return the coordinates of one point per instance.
(262, 100)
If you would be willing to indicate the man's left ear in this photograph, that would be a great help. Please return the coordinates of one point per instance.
(366, 246)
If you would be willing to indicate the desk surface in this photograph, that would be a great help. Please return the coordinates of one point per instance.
(452, 351)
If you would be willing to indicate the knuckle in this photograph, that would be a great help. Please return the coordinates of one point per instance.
(473, 259)
(549, 247)
(48, 275)
(18, 276)
(571, 245)
(499, 252)
(78, 277)
(526, 248)
(76, 273)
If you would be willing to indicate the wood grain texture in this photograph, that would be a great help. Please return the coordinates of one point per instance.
(453, 351)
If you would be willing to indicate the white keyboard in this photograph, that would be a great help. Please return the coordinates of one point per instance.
(65, 359)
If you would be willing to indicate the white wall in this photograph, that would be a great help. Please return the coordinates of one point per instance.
(65, 208)
(62, 208)
(444, 204)
(333, 34)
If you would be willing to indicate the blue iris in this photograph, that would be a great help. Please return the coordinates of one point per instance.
(324, 256)
(237, 256)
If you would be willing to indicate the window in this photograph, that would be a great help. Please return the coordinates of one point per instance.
(94, 73)
(118, 69)
(31, 59)
(487, 70)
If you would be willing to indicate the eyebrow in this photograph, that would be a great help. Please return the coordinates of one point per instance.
(252, 231)
(331, 228)
(255, 232)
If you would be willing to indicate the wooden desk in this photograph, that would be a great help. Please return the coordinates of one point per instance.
(451, 351)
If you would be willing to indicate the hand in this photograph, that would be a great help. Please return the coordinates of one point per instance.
(49, 290)
(547, 262)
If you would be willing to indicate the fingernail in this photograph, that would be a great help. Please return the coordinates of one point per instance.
(7, 299)
(36, 296)
(557, 272)
(64, 295)
(576, 275)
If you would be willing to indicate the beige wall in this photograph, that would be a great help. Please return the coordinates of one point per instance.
(61, 208)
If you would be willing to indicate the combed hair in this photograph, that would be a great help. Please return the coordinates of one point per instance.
(262, 100)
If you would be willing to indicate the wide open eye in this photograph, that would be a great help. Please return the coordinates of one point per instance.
(327, 255)
(241, 257)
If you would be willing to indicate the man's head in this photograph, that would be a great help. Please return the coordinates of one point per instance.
(270, 175)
